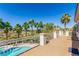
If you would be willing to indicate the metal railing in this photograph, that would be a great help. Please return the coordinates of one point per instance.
(33, 39)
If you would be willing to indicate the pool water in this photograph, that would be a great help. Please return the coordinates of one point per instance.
(1, 49)
(14, 51)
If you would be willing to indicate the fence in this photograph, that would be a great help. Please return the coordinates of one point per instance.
(32, 39)
(43, 38)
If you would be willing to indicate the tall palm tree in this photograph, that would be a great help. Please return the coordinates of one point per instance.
(18, 29)
(25, 26)
(7, 28)
(39, 26)
(32, 23)
(65, 19)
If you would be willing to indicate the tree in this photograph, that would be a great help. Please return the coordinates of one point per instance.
(39, 26)
(75, 27)
(32, 23)
(58, 27)
(7, 28)
(25, 26)
(65, 19)
(18, 29)
(49, 26)
(2, 24)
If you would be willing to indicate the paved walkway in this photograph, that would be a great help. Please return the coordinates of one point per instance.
(56, 47)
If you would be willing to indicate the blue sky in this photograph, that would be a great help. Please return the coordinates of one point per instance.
(49, 12)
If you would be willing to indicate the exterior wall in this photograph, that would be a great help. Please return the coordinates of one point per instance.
(75, 37)
(77, 13)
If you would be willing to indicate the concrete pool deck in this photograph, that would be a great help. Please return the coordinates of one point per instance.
(56, 47)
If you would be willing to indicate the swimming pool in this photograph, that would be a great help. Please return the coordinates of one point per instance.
(14, 51)
(1, 49)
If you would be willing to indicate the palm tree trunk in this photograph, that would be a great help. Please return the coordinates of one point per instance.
(32, 29)
(37, 30)
(18, 35)
(40, 30)
(64, 26)
(26, 32)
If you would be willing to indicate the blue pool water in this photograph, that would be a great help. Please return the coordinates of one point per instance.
(1, 49)
(14, 51)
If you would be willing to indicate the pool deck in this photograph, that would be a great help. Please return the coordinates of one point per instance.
(56, 47)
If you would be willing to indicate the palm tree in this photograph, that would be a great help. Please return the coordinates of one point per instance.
(54, 27)
(58, 27)
(18, 29)
(32, 23)
(65, 19)
(7, 28)
(49, 26)
(39, 26)
(25, 26)
(1, 24)
(75, 27)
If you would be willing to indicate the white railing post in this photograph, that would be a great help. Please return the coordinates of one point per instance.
(42, 39)
(55, 35)
(67, 33)
(60, 33)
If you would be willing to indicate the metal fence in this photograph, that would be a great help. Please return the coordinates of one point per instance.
(33, 39)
